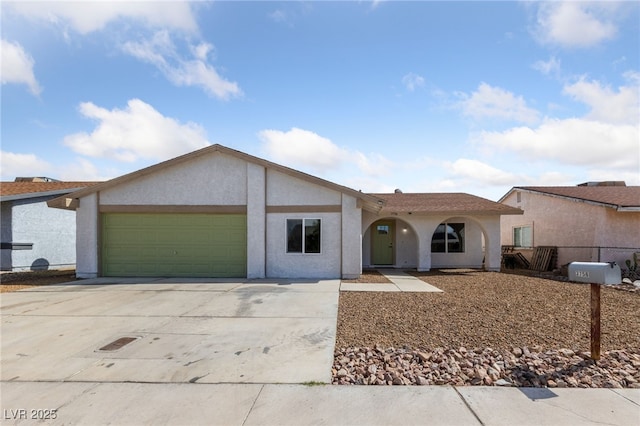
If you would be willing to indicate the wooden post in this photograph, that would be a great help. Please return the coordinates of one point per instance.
(595, 322)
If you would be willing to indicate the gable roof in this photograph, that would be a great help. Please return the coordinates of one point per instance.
(621, 198)
(10, 191)
(442, 203)
(368, 201)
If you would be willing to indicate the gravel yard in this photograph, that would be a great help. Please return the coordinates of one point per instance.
(13, 281)
(487, 309)
(483, 318)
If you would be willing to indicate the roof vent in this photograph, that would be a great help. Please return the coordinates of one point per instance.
(398, 191)
(605, 183)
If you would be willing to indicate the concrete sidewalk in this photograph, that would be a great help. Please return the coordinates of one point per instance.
(91, 403)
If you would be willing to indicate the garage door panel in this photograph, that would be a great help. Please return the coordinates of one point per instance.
(197, 245)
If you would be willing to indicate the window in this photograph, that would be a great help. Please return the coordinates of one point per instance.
(448, 238)
(522, 236)
(303, 236)
(383, 229)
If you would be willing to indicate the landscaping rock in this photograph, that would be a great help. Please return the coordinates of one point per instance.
(485, 366)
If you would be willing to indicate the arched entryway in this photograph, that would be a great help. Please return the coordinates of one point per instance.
(390, 242)
(458, 242)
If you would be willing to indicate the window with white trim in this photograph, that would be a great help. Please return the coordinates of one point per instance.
(448, 238)
(522, 236)
(303, 236)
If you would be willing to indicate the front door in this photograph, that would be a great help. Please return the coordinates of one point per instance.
(382, 242)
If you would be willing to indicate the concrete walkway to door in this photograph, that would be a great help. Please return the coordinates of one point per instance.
(400, 282)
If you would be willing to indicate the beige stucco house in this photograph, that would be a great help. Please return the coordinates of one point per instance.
(218, 212)
(591, 222)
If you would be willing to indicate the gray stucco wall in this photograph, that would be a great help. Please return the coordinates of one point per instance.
(52, 232)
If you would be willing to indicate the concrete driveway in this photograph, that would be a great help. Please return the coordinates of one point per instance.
(178, 331)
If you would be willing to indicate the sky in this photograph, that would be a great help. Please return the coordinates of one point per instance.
(472, 97)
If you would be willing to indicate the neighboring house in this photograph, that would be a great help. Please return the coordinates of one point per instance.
(33, 236)
(218, 212)
(595, 221)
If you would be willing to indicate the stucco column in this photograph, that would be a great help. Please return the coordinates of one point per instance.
(425, 232)
(256, 221)
(351, 246)
(87, 226)
(493, 251)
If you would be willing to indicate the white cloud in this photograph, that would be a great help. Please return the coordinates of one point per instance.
(474, 170)
(14, 165)
(575, 24)
(494, 102)
(609, 106)
(412, 81)
(161, 52)
(279, 16)
(573, 141)
(90, 16)
(303, 149)
(136, 132)
(17, 67)
(552, 66)
(300, 148)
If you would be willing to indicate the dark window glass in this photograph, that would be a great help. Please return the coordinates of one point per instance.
(307, 242)
(448, 238)
(312, 236)
(438, 240)
(294, 235)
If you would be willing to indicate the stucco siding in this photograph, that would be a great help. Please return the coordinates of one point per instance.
(566, 223)
(281, 264)
(209, 180)
(285, 190)
(51, 231)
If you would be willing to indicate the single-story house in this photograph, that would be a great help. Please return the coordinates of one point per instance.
(33, 236)
(218, 212)
(591, 222)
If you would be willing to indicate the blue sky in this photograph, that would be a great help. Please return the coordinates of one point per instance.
(470, 97)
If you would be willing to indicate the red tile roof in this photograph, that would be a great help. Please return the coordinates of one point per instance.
(19, 188)
(619, 196)
(445, 203)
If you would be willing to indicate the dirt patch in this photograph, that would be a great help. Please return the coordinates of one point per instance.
(487, 309)
(12, 281)
(369, 276)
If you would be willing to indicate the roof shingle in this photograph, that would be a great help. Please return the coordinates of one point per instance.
(619, 196)
(445, 203)
(20, 188)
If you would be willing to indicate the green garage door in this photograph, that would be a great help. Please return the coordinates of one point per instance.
(174, 245)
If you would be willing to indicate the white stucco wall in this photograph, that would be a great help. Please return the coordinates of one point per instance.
(52, 232)
(87, 237)
(281, 264)
(283, 190)
(565, 223)
(208, 180)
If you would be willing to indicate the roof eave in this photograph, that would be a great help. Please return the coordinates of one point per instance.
(64, 203)
(27, 195)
